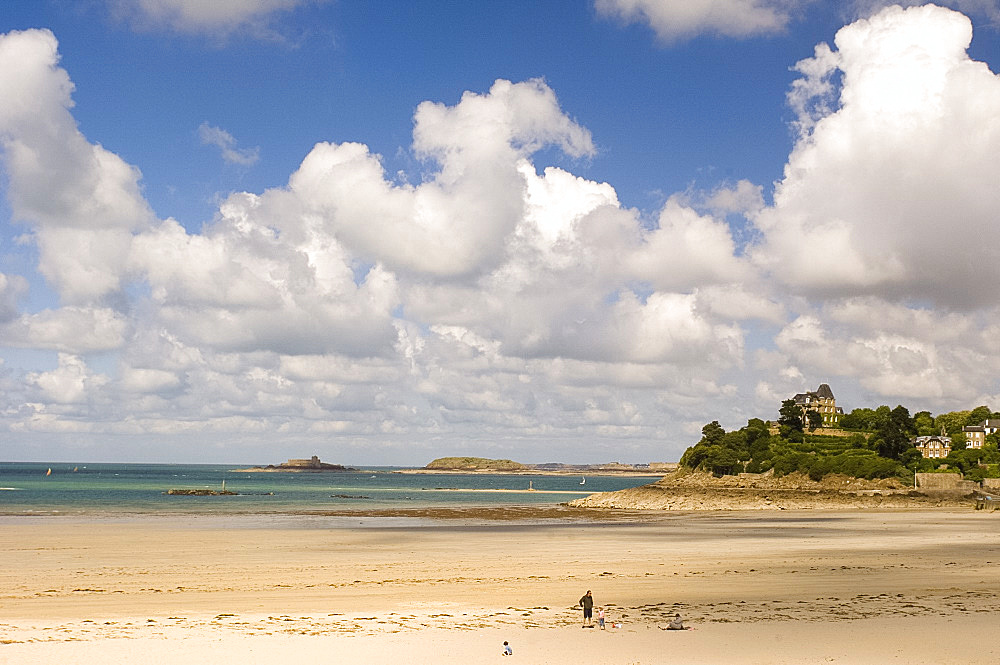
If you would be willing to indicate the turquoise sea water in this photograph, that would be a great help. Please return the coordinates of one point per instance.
(27, 489)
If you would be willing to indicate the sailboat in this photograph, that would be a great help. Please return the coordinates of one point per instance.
(583, 480)
(49, 472)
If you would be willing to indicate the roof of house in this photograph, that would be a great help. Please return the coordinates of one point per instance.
(924, 440)
(823, 392)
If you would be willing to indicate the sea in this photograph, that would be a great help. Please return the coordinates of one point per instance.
(36, 489)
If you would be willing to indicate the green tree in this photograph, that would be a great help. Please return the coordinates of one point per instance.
(862, 418)
(790, 417)
(857, 440)
(882, 415)
(894, 435)
(756, 429)
(721, 459)
(737, 442)
(712, 433)
(924, 422)
(978, 415)
(953, 421)
(959, 441)
(814, 419)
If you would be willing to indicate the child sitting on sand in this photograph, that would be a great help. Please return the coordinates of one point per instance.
(507, 651)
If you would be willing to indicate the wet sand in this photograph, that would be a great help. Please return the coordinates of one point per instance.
(789, 587)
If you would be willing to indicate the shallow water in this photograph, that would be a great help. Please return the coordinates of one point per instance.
(109, 489)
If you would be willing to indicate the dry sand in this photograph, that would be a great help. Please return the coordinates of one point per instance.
(912, 586)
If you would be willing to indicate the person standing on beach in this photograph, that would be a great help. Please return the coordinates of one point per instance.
(600, 618)
(587, 602)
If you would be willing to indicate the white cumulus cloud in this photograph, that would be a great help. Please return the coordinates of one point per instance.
(892, 191)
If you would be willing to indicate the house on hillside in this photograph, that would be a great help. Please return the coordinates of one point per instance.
(935, 446)
(975, 435)
(821, 401)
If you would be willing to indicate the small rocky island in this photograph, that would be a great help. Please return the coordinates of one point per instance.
(311, 465)
(485, 465)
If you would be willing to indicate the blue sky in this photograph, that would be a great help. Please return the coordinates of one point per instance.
(289, 227)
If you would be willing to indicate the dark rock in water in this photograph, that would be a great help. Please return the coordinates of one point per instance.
(201, 492)
(349, 496)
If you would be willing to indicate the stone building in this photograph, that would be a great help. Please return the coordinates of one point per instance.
(934, 446)
(975, 435)
(821, 401)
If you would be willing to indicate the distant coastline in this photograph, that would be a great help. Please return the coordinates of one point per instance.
(576, 471)
(480, 465)
(509, 467)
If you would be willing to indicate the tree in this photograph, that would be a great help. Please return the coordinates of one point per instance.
(863, 419)
(978, 415)
(958, 441)
(952, 421)
(790, 419)
(857, 440)
(882, 414)
(911, 457)
(869, 420)
(756, 429)
(924, 422)
(737, 442)
(814, 419)
(721, 459)
(712, 433)
(894, 435)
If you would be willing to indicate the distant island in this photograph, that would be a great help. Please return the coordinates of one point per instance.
(486, 465)
(311, 465)
(475, 464)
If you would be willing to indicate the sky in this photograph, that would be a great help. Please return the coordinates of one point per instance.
(382, 233)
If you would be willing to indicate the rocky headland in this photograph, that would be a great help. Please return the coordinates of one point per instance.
(693, 490)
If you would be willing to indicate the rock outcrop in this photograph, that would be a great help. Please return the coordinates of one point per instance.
(686, 490)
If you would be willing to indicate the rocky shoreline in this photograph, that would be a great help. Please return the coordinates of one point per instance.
(684, 490)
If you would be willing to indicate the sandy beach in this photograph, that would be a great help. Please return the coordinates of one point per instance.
(811, 586)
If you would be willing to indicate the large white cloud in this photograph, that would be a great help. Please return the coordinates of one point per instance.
(72, 382)
(456, 222)
(82, 202)
(893, 192)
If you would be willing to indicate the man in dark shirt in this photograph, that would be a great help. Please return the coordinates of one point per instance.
(588, 609)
